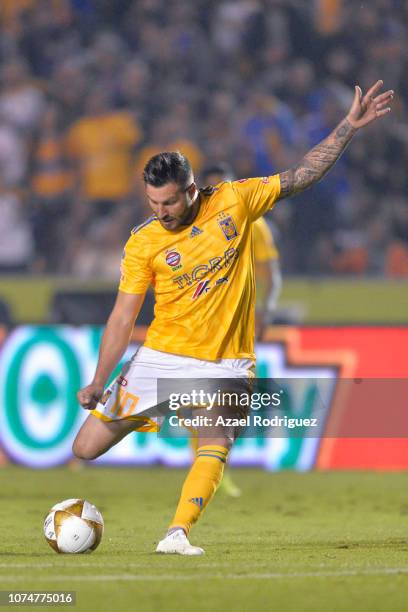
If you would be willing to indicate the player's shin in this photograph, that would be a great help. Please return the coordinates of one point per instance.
(200, 485)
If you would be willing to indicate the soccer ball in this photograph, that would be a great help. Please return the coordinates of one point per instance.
(73, 526)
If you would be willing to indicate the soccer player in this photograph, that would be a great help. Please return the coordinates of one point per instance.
(196, 251)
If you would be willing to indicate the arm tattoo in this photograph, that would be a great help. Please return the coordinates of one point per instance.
(317, 162)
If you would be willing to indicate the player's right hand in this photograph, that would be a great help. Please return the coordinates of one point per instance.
(90, 395)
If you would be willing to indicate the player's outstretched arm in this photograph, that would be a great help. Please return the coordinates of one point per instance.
(115, 340)
(321, 158)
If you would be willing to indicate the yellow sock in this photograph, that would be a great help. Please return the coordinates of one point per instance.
(200, 485)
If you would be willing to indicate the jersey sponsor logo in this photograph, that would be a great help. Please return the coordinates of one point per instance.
(222, 280)
(227, 225)
(215, 264)
(202, 287)
(196, 231)
(173, 259)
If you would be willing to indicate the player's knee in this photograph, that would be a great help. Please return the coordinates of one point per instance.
(218, 440)
(82, 449)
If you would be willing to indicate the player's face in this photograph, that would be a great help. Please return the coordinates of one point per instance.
(172, 204)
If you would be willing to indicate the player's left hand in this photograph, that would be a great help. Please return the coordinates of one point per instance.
(90, 395)
(373, 105)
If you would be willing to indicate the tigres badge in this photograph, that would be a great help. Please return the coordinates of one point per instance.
(228, 226)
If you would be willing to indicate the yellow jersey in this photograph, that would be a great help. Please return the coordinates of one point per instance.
(264, 245)
(203, 274)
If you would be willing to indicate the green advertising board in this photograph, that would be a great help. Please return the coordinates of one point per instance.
(41, 369)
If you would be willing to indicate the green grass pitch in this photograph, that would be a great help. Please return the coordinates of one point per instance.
(313, 541)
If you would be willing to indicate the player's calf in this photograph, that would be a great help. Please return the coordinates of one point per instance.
(213, 446)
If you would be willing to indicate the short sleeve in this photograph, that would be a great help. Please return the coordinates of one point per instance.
(264, 245)
(258, 194)
(136, 271)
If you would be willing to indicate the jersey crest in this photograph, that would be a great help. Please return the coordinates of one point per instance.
(227, 225)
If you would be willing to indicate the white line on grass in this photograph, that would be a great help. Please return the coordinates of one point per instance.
(76, 564)
(177, 577)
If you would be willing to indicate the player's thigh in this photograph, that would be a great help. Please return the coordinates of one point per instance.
(97, 436)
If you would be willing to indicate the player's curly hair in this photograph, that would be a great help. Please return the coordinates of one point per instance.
(168, 167)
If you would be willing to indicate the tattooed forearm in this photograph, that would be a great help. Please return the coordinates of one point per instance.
(317, 162)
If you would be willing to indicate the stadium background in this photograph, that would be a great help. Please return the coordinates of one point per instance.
(90, 89)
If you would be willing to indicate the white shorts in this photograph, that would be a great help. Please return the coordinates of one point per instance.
(134, 393)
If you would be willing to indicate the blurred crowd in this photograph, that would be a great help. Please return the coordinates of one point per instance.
(90, 89)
